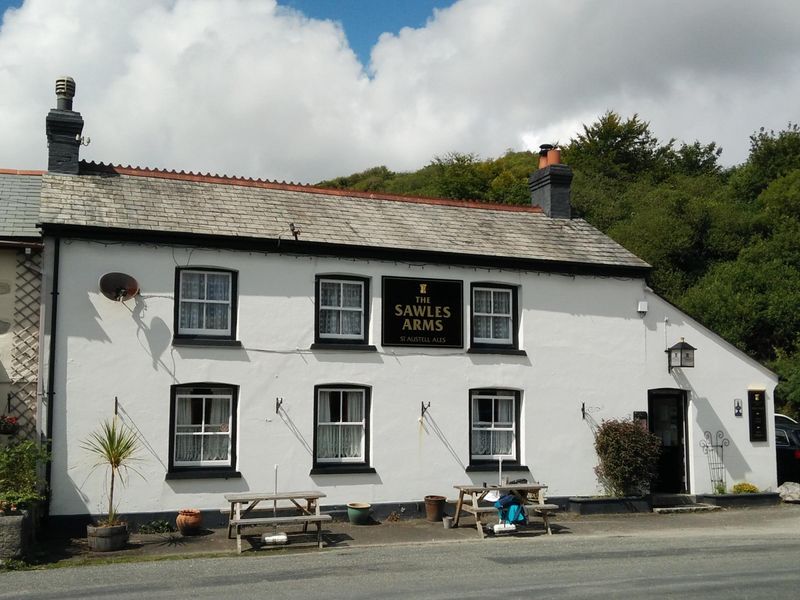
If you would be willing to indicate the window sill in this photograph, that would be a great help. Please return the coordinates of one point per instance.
(204, 474)
(177, 341)
(341, 469)
(494, 467)
(345, 347)
(490, 350)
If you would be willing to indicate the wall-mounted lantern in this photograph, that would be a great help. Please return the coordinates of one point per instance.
(680, 355)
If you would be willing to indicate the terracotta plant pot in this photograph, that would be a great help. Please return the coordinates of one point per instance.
(434, 508)
(189, 521)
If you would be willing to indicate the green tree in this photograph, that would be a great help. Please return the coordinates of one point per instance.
(460, 176)
(619, 149)
(772, 155)
(696, 159)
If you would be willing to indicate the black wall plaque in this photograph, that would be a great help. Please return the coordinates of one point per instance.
(423, 312)
(757, 406)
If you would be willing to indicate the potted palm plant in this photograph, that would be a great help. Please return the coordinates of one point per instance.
(115, 446)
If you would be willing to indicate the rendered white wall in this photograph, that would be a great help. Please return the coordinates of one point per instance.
(585, 343)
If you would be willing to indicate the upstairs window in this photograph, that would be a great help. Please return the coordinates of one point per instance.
(342, 310)
(494, 416)
(494, 316)
(203, 424)
(205, 303)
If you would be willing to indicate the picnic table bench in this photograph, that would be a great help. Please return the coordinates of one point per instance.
(531, 497)
(306, 503)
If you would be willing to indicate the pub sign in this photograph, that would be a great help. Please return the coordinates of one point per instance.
(758, 415)
(423, 312)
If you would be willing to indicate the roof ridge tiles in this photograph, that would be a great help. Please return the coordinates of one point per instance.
(89, 167)
(21, 172)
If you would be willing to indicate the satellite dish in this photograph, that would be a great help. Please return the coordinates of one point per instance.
(118, 286)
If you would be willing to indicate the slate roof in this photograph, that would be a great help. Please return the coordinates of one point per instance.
(125, 198)
(19, 203)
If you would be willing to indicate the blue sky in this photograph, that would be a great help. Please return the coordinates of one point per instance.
(248, 87)
(365, 20)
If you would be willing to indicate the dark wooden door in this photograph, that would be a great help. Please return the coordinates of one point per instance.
(667, 419)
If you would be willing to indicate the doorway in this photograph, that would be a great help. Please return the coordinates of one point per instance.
(667, 410)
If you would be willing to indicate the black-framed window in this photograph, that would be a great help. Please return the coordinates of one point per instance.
(205, 304)
(494, 418)
(494, 317)
(203, 429)
(342, 310)
(341, 428)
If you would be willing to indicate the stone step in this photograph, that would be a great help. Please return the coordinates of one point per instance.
(689, 508)
(668, 500)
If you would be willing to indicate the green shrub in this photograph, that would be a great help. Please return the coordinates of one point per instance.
(719, 488)
(20, 481)
(156, 526)
(628, 456)
(745, 488)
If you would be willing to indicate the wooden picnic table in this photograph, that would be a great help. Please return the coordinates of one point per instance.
(531, 496)
(306, 504)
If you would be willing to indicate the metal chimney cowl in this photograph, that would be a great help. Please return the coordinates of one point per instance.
(65, 92)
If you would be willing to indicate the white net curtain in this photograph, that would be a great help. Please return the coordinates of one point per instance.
(341, 308)
(492, 314)
(340, 425)
(205, 301)
(493, 426)
(202, 427)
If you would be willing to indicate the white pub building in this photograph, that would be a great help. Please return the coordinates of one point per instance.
(375, 347)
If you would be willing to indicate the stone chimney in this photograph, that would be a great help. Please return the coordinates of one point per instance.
(64, 127)
(550, 184)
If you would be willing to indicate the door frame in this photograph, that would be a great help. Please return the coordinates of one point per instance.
(652, 395)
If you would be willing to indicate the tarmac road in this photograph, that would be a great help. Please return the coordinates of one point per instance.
(752, 561)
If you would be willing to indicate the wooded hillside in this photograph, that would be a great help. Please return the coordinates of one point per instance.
(724, 243)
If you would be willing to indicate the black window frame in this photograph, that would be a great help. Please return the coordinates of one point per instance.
(202, 472)
(500, 347)
(319, 468)
(492, 464)
(362, 343)
(207, 339)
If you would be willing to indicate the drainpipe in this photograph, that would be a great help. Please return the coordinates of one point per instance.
(51, 366)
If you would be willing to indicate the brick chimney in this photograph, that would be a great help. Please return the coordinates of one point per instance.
(64, 127)
(550, 184)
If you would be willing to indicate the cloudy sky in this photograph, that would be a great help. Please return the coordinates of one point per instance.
(276, 90)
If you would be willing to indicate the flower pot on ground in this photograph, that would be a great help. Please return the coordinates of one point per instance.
(749, 500)
(16, 535)
(115, 445)
(189, 521)
(21, 487)
(358, 513)
(434, 508)
(607, 505)
(107, 538)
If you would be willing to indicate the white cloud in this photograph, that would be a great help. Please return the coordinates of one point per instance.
(248, 87)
